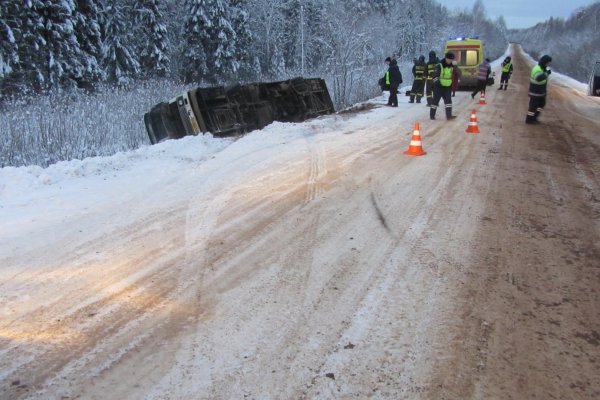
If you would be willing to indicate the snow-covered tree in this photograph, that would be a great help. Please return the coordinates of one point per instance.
(118, 57)
(266, 24)
(249, 68)
(347, 45)
(211, 42)
(9, 57)
(369, 7)
(63, 55)
(195, 65)
(89, 37)
(573, 43)
(31, 44)
(153, 42)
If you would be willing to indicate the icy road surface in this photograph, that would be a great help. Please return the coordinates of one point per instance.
(316, 261)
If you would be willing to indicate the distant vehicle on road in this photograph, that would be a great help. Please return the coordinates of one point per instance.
(594, 85)
(469, 55)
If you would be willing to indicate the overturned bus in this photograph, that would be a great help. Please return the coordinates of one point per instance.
(235, 110)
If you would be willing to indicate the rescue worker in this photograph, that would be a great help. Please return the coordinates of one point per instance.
(429, 69)
(538, 80)
(393, 79)
(485, 69)
(442, 86)
(456, 75)
(418, 71)
(507, 69)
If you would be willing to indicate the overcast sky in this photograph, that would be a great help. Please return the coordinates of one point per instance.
(522, 14)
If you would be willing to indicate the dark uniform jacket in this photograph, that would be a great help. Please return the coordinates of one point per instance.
(538, 78)
(418, 70)
(395, 75)
(430, 67)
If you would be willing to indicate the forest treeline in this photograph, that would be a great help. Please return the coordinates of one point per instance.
(50, 45)
(573, 43)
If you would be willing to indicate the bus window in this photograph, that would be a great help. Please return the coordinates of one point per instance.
(471, 57)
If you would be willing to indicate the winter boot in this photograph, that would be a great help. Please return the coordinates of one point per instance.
(531, 119)
(432, 111)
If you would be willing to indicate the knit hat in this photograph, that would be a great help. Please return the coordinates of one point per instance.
(545, 60)
(449, 55)
(432, 54)
(388, 59)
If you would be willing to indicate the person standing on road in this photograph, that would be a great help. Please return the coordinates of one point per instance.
(418, 72)
(538, 80)
(485, 70)
(393, 79)
(507, 69)
(456, 74)
(442, 86)
(429, 70)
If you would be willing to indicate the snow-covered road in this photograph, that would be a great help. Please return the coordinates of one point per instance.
(315, 260)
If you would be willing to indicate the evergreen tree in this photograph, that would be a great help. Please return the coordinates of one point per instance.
(9, 57)
(31, 45)
(153, 42)
(194, 65)
(211, 42)
(241, 27)
(120, 62)
(89, 37)
(63, 65)
(224, 41)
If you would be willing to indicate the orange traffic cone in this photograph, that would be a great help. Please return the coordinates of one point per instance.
(482, 98)
(473, 128)
(415, 148)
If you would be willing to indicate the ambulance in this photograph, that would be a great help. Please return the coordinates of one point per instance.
(468, 53)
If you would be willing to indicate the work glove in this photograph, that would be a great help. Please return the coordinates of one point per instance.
(548, 72)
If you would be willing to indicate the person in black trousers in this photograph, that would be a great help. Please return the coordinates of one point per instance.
(442, 86)
(393, 78)
(538, 80)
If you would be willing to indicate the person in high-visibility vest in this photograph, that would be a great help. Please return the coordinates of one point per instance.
(538, 80)
(392, 80)
(507, 69)
(429, 69)
(442, 86)
(418, 71)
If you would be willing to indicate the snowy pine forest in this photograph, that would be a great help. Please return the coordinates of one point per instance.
(76, 76)
(574, 43)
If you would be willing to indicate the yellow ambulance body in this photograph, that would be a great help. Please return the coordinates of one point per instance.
(468, 53)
